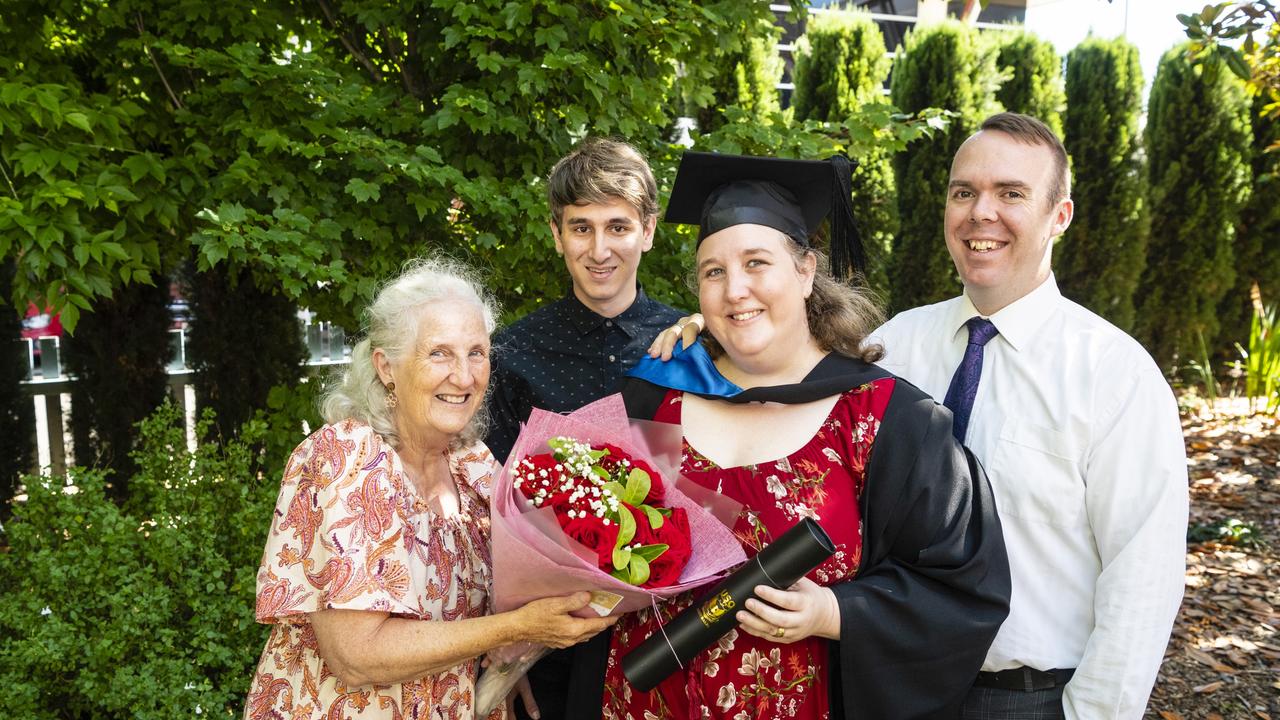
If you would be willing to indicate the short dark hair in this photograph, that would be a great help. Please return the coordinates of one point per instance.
(599, 169)
(1031, 131)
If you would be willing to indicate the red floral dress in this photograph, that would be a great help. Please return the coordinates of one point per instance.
(349, 532)
(743, 677)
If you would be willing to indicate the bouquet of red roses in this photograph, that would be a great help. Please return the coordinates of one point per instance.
(592, 501)
(611, 502)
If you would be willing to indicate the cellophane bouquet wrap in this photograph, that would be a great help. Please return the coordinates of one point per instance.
(533, 556)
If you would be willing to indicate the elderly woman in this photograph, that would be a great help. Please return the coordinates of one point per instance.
(785, 413)
(377, 568)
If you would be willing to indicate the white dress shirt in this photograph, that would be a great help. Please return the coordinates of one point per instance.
(1079, 434)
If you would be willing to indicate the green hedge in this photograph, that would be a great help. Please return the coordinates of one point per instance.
(749, 72)
(142, 610)
(1197, 144)
(841, 66)
(1257, 235)
(1034, 86)
(943, 66)
(1102, 255)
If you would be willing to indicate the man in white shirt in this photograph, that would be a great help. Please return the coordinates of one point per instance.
(1077, 430)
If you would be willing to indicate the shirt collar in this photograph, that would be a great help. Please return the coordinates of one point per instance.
(585, 320)
(1018, 321)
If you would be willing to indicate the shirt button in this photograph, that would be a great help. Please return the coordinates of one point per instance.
(612, 358)
(608, 323)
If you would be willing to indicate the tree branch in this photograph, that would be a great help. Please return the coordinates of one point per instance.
(173, 97)
(8, 179)
(351, 48)
(408, 75)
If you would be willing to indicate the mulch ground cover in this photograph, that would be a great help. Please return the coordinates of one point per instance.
(1223, 661)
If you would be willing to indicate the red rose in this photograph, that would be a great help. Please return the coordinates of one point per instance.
(657, 491)
(595, 535)
(530, 470)
(665, 569)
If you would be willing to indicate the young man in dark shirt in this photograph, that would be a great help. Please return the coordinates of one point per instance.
(604, 208)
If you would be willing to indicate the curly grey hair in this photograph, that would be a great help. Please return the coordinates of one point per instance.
(391, 324)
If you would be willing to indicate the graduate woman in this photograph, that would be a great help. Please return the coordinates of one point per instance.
(782, 410)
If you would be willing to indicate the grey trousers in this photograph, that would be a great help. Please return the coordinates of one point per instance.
(996, 704)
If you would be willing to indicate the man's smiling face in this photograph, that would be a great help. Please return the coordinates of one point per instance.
(602, 244)
(1001, 219)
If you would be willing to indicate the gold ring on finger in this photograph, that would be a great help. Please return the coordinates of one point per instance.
(779, 632)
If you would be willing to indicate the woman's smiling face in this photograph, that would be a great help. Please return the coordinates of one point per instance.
(753, 295)
(441, 384)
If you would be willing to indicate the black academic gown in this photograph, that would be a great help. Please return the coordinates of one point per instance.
(933, 584)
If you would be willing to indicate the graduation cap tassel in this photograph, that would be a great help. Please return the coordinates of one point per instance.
(847, 254)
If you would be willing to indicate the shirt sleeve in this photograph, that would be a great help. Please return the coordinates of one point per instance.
(337, 537)
(934, 586)
(1136, 498)
(479, 468)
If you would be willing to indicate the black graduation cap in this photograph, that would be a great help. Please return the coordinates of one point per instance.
(717, 191)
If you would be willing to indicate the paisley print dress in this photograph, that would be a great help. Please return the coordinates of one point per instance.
(743, 677)
(349, 532)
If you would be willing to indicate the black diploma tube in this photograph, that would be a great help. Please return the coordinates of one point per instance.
(780, 565)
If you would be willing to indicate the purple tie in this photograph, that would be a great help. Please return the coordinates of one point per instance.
(964, 384)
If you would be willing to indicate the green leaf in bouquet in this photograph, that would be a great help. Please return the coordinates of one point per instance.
(650, 552)
(626, 527)
(654, 515)
(616, 489)
(621, 557)
(638, 485)
(639, 570)
(600, 472)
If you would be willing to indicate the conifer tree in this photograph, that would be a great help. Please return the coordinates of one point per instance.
(1197, 142)
(750, 72)
(1257, 236)
(1034, 86)
(841, 65)
(1101, 257)
(943, 66)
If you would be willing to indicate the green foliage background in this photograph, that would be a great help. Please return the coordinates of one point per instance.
(747, 76)
(1034, 84)
(1197, 142)
(840, 68)
(943, 66)
(142, 610)
(319, 145)
(1101, 256)
(1258, 233)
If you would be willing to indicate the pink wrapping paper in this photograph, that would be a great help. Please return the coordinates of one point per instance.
(533, 558)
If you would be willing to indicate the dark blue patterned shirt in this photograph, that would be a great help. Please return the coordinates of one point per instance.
(563, 356)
